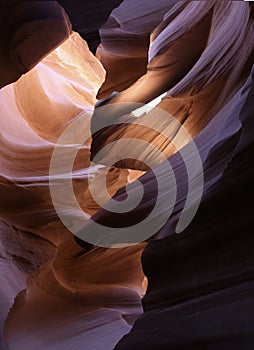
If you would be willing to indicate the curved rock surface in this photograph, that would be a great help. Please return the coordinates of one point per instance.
(57, 289)
(36, 109)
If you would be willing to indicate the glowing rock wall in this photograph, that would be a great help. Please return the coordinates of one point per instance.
(58, 291)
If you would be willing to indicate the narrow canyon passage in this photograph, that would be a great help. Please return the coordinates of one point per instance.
(126, 175)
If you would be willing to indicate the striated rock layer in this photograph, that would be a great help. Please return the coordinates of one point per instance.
(58, 291)
(91, 288)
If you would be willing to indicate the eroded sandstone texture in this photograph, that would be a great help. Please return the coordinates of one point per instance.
(175, 270)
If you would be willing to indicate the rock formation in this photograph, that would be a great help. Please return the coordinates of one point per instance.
(74, 265)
